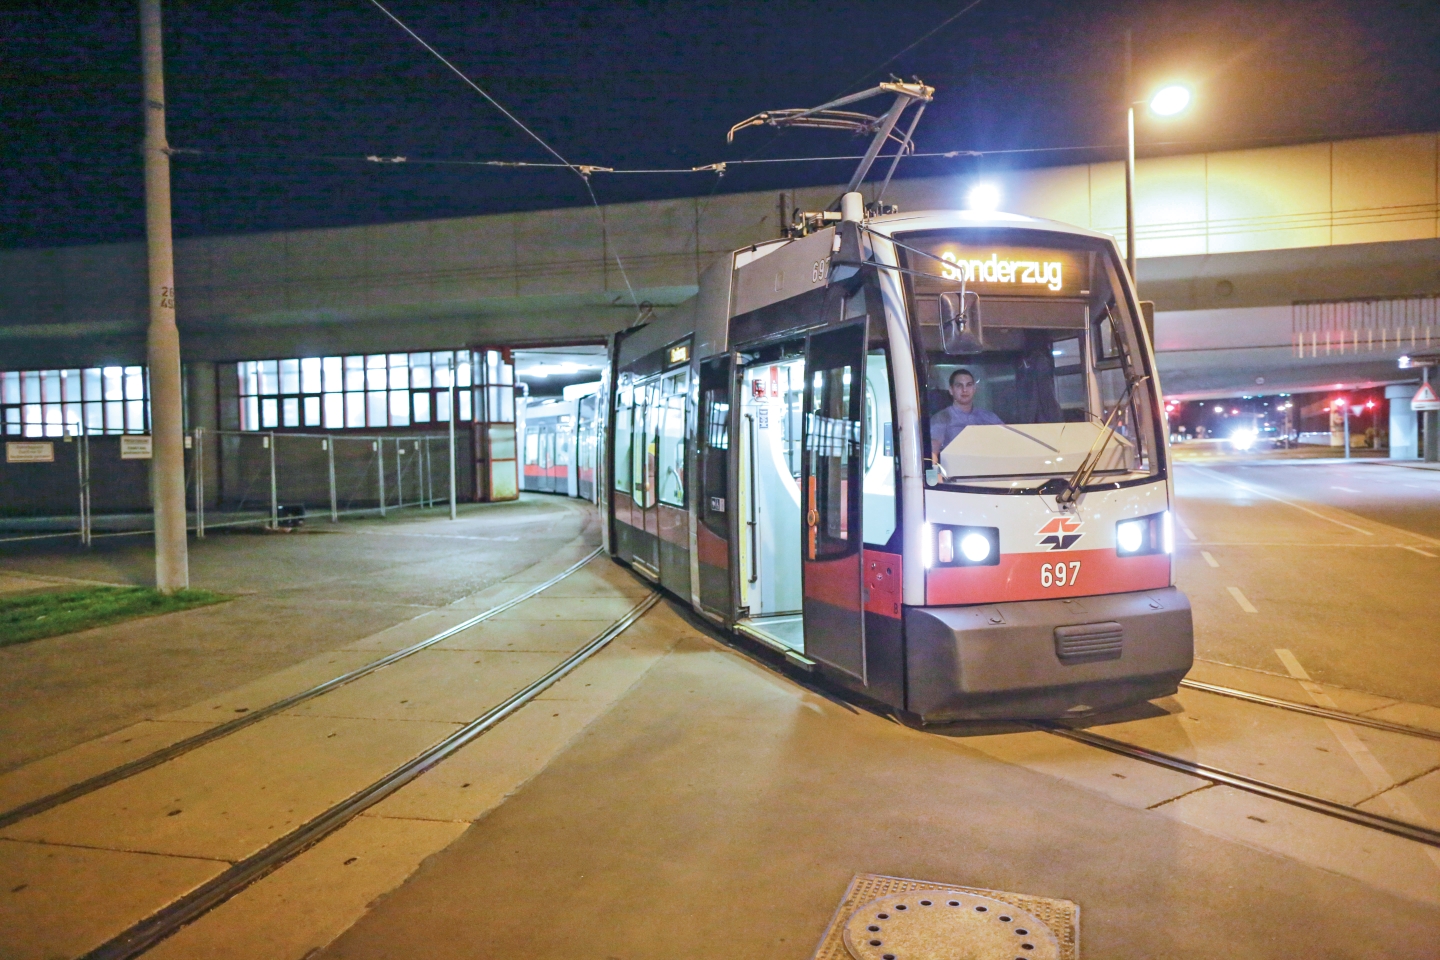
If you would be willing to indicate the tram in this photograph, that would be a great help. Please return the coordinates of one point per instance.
(921, 454)
(559, 440)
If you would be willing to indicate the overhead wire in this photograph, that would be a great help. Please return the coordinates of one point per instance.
(582, 172)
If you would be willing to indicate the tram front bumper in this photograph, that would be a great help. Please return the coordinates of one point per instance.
(1046, 659)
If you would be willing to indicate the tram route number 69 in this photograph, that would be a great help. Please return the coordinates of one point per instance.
(1059, 574)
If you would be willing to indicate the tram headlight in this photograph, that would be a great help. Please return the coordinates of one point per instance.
(975, 547)
(1138, 536)
(963, 546)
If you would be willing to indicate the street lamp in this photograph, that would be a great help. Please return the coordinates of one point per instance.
(1166, 102)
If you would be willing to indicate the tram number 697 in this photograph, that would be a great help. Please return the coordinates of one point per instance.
(1059, 574)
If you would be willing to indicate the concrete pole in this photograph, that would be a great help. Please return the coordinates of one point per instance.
(1347, 431)
(167, 467)
(452, 438)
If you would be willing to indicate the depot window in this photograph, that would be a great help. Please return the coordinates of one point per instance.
(354, 392)
(91, 400)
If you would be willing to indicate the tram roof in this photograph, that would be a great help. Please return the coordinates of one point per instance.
(892, 223)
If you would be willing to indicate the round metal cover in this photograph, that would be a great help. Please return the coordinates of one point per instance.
(941, 924)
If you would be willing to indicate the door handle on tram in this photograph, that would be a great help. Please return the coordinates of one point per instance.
(812, 518)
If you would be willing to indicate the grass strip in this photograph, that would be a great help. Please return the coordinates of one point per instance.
(33, 616)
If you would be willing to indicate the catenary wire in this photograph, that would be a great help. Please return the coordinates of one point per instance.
(579, 171)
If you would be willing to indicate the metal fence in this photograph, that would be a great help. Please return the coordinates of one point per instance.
(271, 479)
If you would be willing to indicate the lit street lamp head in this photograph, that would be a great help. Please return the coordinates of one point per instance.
(1170, 100)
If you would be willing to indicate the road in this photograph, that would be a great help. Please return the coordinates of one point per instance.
(1335, 563)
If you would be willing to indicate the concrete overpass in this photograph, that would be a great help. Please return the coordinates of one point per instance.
(1273, 269)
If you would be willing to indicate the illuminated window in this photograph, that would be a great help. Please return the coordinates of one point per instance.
(352, 393)
(94, 400)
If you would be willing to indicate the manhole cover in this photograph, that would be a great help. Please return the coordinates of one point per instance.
(943, 924)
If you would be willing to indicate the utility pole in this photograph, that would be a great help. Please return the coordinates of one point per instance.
(167, 466)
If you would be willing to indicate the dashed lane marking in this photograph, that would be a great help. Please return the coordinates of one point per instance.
(1208, 558)
(1423, 553)
(1245, 604)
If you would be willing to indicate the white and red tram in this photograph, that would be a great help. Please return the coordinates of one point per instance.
(783, 456)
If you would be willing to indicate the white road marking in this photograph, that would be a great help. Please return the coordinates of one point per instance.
(1423, 553)
(1245, 604)
(1209, 559)
(1288, 503)
(1401, 804)
(1188, 532)
(1346, 489)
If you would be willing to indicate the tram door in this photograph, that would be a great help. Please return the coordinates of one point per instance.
(832, 494)
(645, 435)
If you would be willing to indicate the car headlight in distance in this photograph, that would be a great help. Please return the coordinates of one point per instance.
(965, 546)
(1138, 536)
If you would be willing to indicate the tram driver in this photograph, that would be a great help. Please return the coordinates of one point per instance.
(947, 424)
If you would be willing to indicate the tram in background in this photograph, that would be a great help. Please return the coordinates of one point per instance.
(559, 442)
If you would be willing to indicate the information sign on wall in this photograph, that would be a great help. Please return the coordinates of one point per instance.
(30, 452)
(135, 447)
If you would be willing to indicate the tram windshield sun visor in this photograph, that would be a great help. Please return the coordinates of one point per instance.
(1055, 377)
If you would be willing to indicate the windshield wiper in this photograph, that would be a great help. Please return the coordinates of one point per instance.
(1067, 491)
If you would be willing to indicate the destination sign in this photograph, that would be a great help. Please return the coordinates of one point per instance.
(1000, 270)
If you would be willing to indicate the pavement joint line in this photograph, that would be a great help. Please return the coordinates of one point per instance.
(1416, 831)
(1241, 599)
(189, 907)
(91, 846)
(1315, 711)
(1181, 796)
(1399, 803)
(165, 754)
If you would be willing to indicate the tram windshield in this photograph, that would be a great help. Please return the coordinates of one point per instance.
(1037, 366)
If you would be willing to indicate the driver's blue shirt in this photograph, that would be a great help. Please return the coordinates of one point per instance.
(947, 424)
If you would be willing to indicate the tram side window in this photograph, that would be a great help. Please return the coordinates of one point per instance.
(624, 413)
(879, 514)
(670, 460)
(643, 446)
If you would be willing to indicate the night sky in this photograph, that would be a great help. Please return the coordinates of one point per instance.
(267, 89)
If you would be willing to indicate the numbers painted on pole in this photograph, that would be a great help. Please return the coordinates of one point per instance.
(167, 298)
(820, 270)
(1059, 574)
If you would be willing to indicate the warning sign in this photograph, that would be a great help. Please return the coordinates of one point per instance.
(1425, 398)
(135, 447)
(30, 452)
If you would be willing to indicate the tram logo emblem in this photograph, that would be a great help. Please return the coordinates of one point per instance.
(1061, 533)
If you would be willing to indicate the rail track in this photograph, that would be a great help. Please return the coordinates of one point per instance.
(153, 929)
(181, 747)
